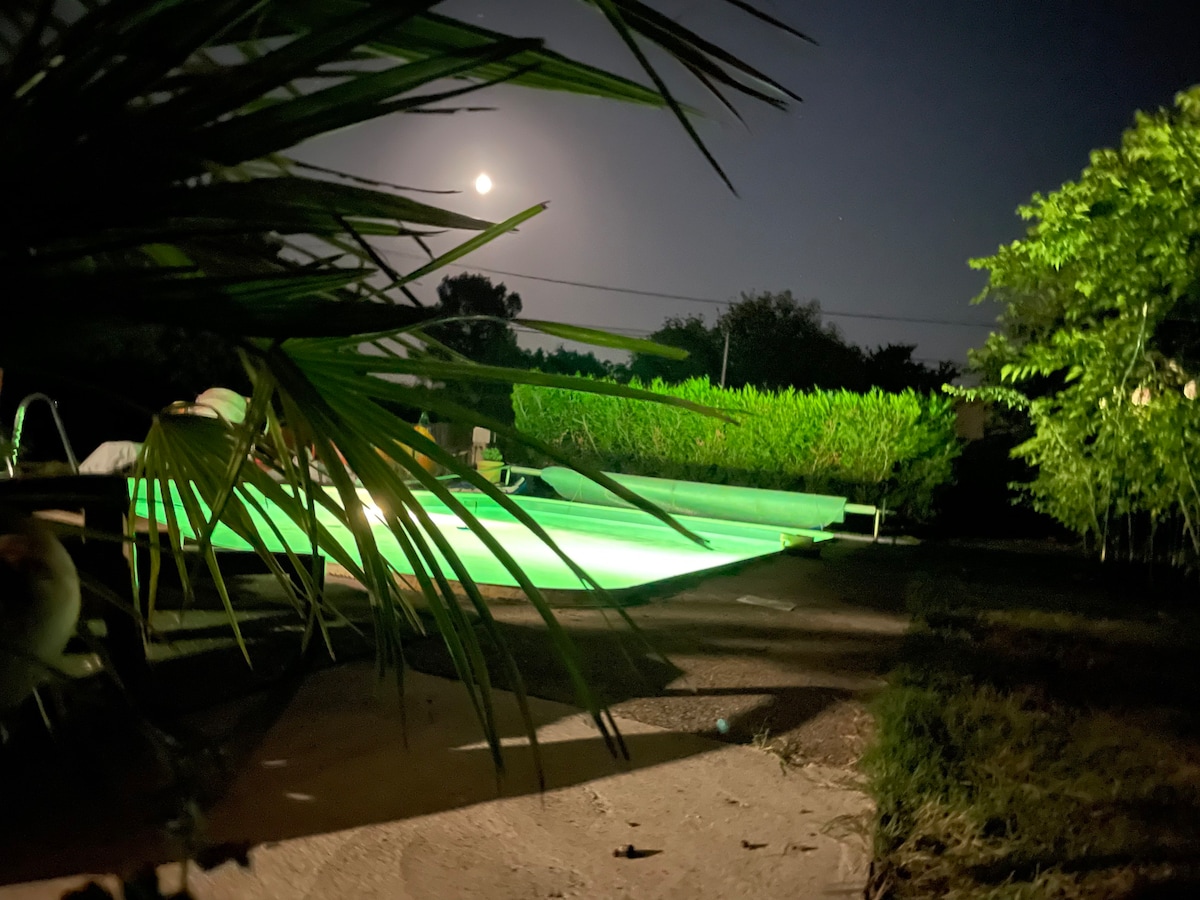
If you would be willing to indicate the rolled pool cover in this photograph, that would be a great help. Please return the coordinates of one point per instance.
(783, 509)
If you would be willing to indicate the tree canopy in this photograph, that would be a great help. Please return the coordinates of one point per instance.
(1099, 339)
(479, 313)
(702, 344)
(562, 361)
(477, 325)
(777, 342)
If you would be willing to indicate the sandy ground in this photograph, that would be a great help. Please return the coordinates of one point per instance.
(336, 807)
(334, 804)
(795, 680)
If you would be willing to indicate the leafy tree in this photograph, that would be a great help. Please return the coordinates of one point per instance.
(479, 314)
(483, 311)
(892, 368)
(147, 184)
(702, 344)
(571, 362)
(1099, 341)
(776, 341)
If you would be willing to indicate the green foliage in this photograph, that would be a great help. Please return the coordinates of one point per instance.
(477, 316)
(1100, 338)
(777, 341)
(493, 454)
(570, 362)
(478, 325)
(702, 344)
(482, 311)
(865, 446)
(891, 367)
(147, 185)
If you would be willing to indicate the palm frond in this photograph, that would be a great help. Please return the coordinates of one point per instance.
(146, 165)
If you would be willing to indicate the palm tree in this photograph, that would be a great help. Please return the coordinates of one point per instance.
(146, 182)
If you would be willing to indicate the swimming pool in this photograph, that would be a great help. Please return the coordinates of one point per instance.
(620, 548)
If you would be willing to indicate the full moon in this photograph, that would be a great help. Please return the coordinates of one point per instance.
(483, 184)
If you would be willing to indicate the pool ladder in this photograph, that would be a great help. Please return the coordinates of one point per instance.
(13, 455)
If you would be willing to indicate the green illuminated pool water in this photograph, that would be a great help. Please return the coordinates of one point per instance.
(620, 548)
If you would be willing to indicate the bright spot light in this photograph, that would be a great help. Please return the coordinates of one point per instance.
(483, 184)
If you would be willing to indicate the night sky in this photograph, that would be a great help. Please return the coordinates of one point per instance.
(924, 125)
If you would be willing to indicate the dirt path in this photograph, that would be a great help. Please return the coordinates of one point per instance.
(335, 805)
(793, 681)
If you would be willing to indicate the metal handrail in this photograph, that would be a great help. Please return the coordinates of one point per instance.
(19, 426)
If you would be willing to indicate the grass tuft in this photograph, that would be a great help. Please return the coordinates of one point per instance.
(1036, 753)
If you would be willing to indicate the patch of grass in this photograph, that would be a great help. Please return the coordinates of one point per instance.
(1025, 752)
(781, 748)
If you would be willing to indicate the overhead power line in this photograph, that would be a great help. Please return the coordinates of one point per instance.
(638, 292)
(642, 332)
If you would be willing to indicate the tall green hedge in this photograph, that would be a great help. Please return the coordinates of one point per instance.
(862, 446)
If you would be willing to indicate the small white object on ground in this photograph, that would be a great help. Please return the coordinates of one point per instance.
(781, 605)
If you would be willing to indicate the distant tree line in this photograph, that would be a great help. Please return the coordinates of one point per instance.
(775, 342)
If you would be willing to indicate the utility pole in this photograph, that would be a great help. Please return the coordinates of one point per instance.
(725, 358)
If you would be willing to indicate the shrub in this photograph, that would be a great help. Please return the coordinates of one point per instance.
(1100, 343)
(867, 447)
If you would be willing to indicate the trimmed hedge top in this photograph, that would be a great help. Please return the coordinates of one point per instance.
(866, 447)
